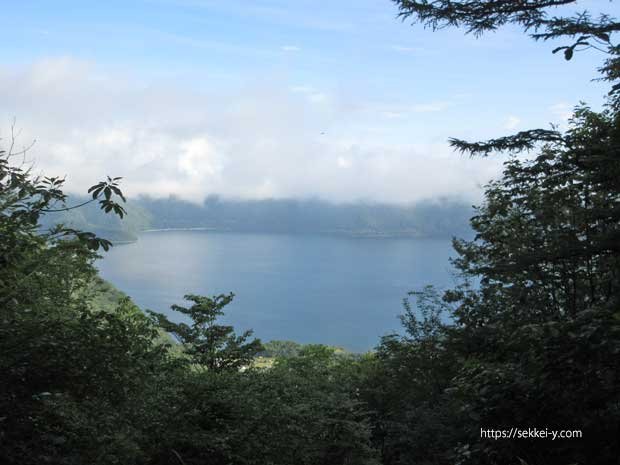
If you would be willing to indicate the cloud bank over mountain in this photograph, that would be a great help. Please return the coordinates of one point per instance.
(272, 139)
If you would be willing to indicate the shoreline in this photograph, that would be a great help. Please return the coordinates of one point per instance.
(345, 233)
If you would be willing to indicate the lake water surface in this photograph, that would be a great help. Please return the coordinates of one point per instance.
(335, 290)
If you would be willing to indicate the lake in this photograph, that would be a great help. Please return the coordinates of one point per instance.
(337, 290)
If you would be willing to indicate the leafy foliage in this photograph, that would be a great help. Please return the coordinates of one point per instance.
(535, 333)
(535, 17)
(213, 346)
(281, 349)
(88, 378)
(532, 339)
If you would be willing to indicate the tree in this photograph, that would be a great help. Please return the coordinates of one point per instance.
(208, 344)
(281, 349)
(32, 258)
(71, 376)
(406, 389)
(85, 384)
(541, 332)
(535, 336)
(537, 18)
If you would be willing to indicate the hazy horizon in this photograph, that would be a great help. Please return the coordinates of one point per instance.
(199, 201)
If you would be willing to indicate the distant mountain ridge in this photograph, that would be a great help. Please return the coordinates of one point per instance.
(440, 218)
(91, 218)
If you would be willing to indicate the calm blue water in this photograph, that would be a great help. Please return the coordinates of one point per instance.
(334, 290)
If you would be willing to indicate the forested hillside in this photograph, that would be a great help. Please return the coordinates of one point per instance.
(91, 218)
(440, 218)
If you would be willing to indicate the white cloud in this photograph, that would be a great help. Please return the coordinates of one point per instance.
(512, 122)
(429, 107)
(562, 111)
(402, 48)
(257, 142)
(290, 48)
(317, 97)
(199, 159)
(343, 162)
(313, 95)
(301, 89)
(560, 114)
(405, 49)
(393, 114)
(400, 111)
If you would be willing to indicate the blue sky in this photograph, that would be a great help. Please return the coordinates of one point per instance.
(272, 98)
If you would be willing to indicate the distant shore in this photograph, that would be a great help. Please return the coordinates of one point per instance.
(338, 232)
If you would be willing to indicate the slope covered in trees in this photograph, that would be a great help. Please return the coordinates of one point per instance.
(437, 218)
